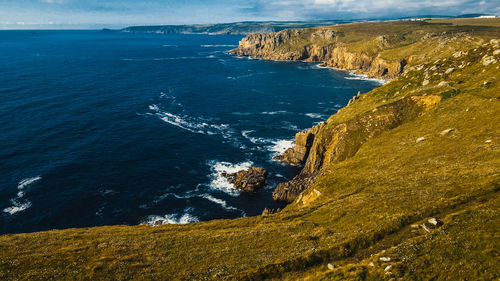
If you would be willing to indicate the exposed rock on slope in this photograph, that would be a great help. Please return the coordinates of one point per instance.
(303, 142)
(329, 143)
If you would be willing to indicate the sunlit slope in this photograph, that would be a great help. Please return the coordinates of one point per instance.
(442, 163)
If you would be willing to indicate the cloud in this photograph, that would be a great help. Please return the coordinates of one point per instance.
(53, 1)
(310, 9)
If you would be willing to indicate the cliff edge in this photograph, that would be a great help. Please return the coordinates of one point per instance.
(401, 184)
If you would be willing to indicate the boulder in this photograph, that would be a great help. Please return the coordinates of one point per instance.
(270, 211)
(435, 222)
(447, 131)
(487, 60)
(248, 180)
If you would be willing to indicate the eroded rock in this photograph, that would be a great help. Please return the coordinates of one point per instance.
(270, 211)
(334, 143)
(248, 180)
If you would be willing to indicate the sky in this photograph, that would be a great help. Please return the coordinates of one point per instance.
(16, 14)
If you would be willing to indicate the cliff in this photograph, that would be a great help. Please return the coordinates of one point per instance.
(326, 144)
(401, 184)
(330, 50)
(384, 51)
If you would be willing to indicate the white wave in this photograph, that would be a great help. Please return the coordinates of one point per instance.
(173, 46)
(22, 184)
(17, 207)
(313, 115)
(220, 202)
(242, 113)
(364, 77)
(280, 146)
(194, 125)
(213, 46)
(176, 58)
(353, 75)
(219, 182)
(273, 112)
(160, 59)
(290, 126)
(20, 204)
(254, 140)
(154, 107)
(185, 218)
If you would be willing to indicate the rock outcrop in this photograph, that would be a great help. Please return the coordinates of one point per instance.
(248, 180)
(330, 143)
(303, 142)
(326, 48)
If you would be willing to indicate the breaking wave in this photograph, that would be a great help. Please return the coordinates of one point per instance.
(192, 124)
(274, 112)
(215, 46)
(281, 146)
(219, 182)
(19, 203)
(314, 115)
(184, 218)
(222, 203)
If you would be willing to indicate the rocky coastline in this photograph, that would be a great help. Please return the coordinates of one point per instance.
(330, 142)
(325, 48)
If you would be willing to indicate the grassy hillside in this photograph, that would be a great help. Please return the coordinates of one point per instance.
(362, 215)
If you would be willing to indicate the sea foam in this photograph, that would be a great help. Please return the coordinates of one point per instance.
(280, 146)
(192, 124)
(184, 218)
(216, 46)
(314, 115)
(221, 203)
(19, 203)
(219, 182)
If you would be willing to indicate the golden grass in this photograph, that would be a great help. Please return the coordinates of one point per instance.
(367, 203)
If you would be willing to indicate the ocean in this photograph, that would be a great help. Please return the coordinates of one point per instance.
(106, 128)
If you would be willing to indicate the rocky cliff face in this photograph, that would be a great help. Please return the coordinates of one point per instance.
(288, 45)
(326, 143)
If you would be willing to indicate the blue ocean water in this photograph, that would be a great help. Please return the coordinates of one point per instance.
(100, 128)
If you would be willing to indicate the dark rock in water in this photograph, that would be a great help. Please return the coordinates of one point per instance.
(248, 180)
(268, 212)
(159, 222)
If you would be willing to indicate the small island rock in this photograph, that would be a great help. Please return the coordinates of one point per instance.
(248, 180)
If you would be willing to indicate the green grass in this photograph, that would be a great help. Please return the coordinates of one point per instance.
(367, 205)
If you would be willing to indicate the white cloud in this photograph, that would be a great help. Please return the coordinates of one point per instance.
(332, 8)
(53, 1)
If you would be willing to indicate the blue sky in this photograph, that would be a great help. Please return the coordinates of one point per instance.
(120, 13)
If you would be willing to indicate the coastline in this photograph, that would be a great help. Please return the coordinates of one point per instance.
(399, 184)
